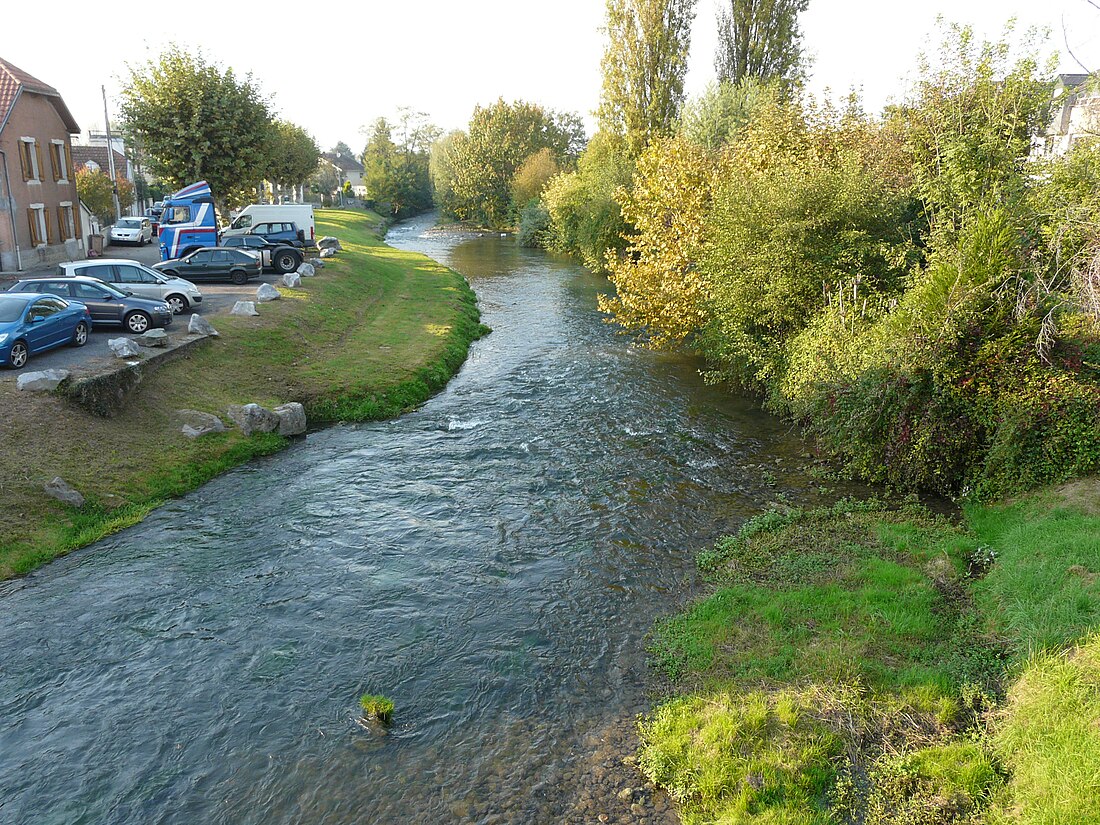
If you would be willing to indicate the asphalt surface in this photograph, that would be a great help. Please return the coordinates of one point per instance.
(95, 356)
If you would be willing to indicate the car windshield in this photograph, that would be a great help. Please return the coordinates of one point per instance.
(127, 224)
(11, 309)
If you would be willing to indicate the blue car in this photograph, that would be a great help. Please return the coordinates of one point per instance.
(36, 322)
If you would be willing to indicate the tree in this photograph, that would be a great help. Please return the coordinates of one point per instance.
(292, 154)
(722, 111)
(199, 122)
(644, 65)
(125, 191)
(761, 39)
(398, 173)
(324, 181)
(531, 178)
(94, 189)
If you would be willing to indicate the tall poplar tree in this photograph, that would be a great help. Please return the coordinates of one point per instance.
(644, 66)
(761, 39)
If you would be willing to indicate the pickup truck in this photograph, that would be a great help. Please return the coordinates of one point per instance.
(277, 257)
(281, 232)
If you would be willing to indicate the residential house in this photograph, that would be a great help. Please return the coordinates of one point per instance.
(39, 206)
(347, 169)
(1075, 115)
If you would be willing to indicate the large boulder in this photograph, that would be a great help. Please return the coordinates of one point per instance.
(328, 252)
(252, 418)
(63, 491)
(244, 308)
(123, 347)
(317, 263)
(266, 293)
(292, 280)
(196, 423)
(292, 418)
(329, 242)
(44, 381)
(307, 270)
(200, 326)
(154, 338)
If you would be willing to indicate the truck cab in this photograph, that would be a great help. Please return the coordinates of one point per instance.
(188, 221)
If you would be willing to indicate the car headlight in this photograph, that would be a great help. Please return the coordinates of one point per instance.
(3, 337)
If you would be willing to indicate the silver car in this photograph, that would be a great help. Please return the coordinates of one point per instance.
(130, 276)
(132, 230)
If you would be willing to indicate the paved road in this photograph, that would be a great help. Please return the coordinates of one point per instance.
(95, 356)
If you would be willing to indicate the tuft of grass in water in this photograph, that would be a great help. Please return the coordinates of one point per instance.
(377, 707)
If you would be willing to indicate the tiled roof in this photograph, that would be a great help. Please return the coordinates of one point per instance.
(343, 162)
(1072, 81)
(98, 154)
(13, 79)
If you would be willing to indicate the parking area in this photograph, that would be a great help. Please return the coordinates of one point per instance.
(93, 357)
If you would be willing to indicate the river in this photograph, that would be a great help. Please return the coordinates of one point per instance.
(491, 562)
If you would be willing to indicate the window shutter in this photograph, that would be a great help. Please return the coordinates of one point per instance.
(41, 163)
(49, 226)
(69, 161)
(25, 159)
(62, 229)
(32, 222)
(55, 164)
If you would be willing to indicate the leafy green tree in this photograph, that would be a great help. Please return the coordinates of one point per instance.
(125, 191)
(94, 189)
(759, 39)
(398, 174)
(531, 178)
(723, 110)
(292, 154)
(197, 121)
(501, 137)
(644, 65)
(324, 182)
(445, 154)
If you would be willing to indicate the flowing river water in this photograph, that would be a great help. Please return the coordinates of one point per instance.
(492, 562)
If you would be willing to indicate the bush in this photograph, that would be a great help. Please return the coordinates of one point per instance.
(534, 226)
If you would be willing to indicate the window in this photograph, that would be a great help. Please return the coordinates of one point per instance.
(66, 223)
(29, 159)
(243, 222)
(199, 257)
(133, 275)
(105, 272)
(36, 221)
(222, 256)
(89, 292)
(56, 288)
(59, 159)
(44, 308)
(178, 214)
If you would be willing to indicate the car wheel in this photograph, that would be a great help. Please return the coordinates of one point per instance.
(177, 303)
(138, 322)
(238, 276)
(285, 261)
(80, 334)
(17, 358)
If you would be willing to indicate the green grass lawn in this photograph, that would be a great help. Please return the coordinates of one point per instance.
(375, 333)
(874, 665)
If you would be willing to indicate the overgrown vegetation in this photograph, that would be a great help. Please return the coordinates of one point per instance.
(376, 333)
(874, 664)
(377, 707)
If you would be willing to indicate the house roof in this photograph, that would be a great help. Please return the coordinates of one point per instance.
(14, 81)
(1073, 81)
(98, 154)
(343, 162)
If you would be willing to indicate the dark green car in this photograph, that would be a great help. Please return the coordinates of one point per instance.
(214, 263)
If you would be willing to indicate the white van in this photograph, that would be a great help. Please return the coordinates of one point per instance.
(301, 214)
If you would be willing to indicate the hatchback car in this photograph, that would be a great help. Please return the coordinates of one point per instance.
(33, 322)
(214, 264)
(130, 276)
(107, 305)
(132, 230)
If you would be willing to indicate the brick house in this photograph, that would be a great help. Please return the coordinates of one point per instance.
(39, 207)
(1075, 116)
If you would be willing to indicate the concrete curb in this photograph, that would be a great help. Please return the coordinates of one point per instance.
(106, 394)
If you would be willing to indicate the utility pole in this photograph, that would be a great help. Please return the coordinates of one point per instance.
(111, 155)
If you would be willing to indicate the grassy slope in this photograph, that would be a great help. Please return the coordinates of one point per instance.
(852, 665)
(375, 333)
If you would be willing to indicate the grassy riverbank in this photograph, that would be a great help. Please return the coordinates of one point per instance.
(376, 333)
(863, 664)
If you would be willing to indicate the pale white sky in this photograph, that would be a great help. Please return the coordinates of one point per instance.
(333, 67)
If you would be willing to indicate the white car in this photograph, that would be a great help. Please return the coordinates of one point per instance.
(130, 276)
(132, 230)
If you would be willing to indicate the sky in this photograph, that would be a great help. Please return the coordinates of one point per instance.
(348, 63)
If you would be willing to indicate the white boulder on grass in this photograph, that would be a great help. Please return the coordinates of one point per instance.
(252, 418)
(244, 308)
(266, 293)
(43, 381)
(292, 418)
(328, 252)
(154, 338)
(329, 242)
(307, 270)
(292, 280)
(196, 423)
(317, 263)
(63, 491)
(200, 326)
(123, 347)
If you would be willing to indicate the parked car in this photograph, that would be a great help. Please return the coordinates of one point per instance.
(132, 230)
(275, 257)
(132, 277)
(214, 263)
(32, 323)
(107, 305)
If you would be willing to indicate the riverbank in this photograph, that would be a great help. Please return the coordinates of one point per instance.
(376, 333)
(865, 664)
